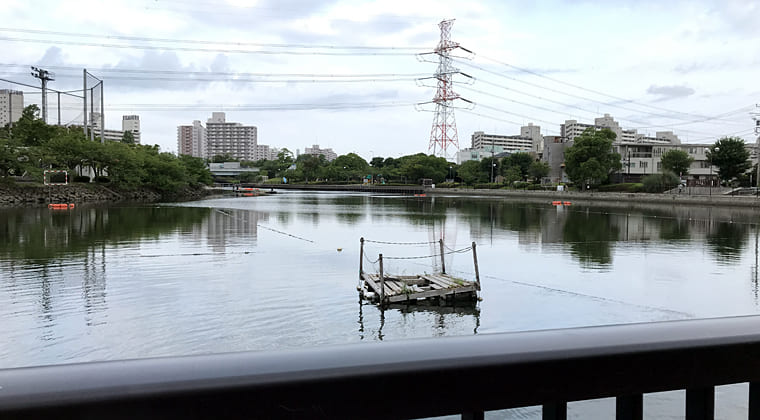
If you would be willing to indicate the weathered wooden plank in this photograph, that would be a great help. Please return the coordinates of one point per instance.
(373, 285)
(436, 280)
(412, 280)
(393, 286)
(432, 293)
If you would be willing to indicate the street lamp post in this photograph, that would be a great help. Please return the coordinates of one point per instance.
(450, 176)
(493, 166)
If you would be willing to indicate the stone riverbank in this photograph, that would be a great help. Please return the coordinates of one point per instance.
(35, 194)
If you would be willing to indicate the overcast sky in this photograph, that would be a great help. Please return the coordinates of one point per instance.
(284, 66)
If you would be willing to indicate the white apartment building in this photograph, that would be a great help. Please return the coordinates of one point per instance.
(316, 151)
(235, 139)
(131, 123)
(572, 129)
(481, 140)
(11, 106)
(464, 155)
(128, 123)
(533, 132)
(264, 152)
(191, 140)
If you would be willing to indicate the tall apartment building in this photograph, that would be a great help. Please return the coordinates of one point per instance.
(191, 140)
(11, 106)
(316, 151)
(231, 138)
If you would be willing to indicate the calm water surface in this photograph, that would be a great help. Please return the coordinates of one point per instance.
(280, 271)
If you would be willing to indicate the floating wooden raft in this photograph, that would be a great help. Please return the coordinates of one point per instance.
(384, 288)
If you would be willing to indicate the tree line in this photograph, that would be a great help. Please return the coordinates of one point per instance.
(410, 169)
(30, 146)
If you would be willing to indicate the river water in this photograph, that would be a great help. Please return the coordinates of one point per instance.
(280, 271)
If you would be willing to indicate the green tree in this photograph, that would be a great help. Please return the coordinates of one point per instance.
(538, 170)
(657, 183)
(223, 158)
(311, 166)
(128, 137)
(521, 160)
(590, 159)
(676, 161)
(730, 156)
(376, 162)
(30, 130)
(196, 170)
(470, 173)
(420, 166)
(512, 175)
(485, 166)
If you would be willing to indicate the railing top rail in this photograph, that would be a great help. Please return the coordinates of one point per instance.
(449, 375)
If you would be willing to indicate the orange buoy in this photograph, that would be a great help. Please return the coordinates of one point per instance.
(567, 203)
(556, 203)
(71, 205)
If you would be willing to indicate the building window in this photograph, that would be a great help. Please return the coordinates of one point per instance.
(643, 164)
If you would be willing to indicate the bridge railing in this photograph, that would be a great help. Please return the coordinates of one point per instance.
(408, 379)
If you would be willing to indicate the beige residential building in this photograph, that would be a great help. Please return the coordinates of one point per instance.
(235, 139)
(315, 150)
(11, 106)
(191, 140)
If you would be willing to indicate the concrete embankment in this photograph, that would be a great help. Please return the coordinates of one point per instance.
(35, 194)
(607, 197)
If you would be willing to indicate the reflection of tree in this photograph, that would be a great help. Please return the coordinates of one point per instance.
(40, 234)
(590, 237)
(674, 229)
(726, 240)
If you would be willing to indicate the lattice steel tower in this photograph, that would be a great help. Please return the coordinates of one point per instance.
(443, 134)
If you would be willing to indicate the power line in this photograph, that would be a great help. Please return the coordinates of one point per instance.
(216, 73)
(208, 42)
(247, 80)
(592, 90)
(257, 107)
(567, 93)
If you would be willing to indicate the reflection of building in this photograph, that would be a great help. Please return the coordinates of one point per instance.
(232, 226)
(11, 106)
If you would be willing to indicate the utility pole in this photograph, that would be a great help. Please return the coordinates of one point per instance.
(44, 76)
(84, 93)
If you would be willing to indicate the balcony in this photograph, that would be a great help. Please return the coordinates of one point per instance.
(415, 378)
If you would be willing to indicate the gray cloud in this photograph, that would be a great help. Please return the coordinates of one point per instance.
(670, 92)
(53, 57)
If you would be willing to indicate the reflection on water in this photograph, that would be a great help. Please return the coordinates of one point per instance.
(435, 315)
(279, 271)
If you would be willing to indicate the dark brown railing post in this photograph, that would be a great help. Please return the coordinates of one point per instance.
(629, 407)
(700, 403)
(554, 411)
(754, 401)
